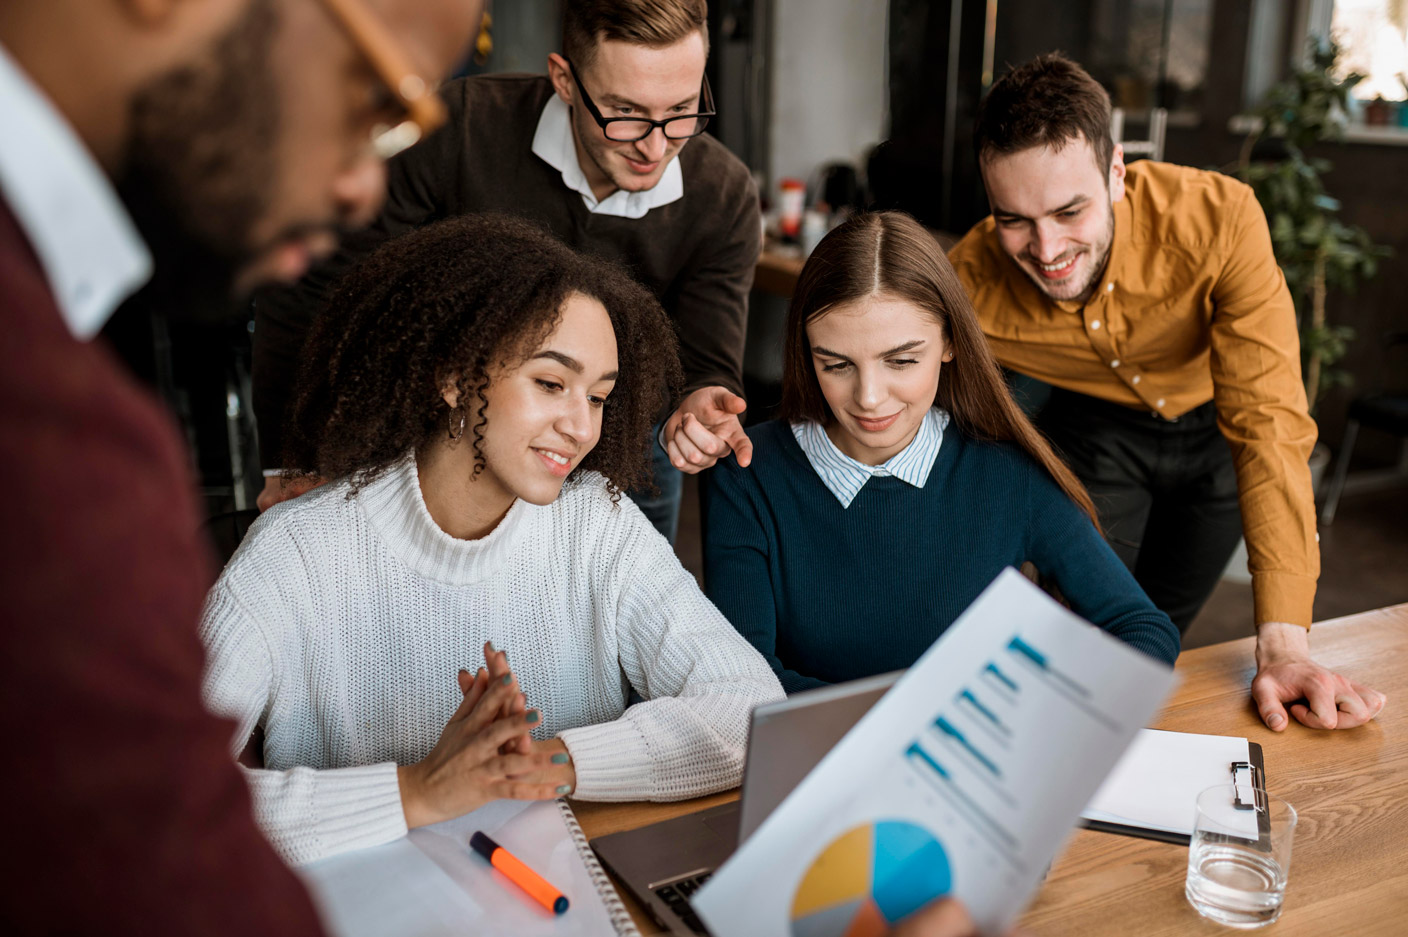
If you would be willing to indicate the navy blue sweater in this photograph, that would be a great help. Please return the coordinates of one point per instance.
(829, 594)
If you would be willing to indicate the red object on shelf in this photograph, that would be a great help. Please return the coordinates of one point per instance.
(790, 205)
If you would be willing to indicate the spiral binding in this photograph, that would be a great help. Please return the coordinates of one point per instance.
(620, 917)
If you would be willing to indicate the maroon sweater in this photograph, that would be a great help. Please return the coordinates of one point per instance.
(124, 811)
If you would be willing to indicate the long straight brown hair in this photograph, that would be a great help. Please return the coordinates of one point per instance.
(889, 253)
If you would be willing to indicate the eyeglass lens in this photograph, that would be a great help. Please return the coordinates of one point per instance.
(676, 128)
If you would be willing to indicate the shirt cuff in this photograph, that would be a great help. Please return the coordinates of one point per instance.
(612, 761)
(1281, 596)
(360, 807)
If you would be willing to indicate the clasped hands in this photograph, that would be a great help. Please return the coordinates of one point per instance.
(485, 752)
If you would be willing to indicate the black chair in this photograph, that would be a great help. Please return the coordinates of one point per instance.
(1386, 412)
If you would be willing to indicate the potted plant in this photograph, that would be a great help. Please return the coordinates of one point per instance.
(1317, 251)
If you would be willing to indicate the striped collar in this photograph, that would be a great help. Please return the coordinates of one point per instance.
(844, 477)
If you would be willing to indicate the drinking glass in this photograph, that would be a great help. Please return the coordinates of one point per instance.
(1240, 855)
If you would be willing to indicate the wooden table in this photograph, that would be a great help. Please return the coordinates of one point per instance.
(1349, 866)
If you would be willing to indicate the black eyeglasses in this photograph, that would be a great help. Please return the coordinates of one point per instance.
(631, 129)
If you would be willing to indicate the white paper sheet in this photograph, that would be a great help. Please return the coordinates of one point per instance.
(431, 883)
(1155, 784)
(964, 779)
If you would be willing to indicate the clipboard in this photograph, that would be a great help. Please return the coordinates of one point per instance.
(1222, 763)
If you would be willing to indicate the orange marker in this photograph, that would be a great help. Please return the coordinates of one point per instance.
(522, 876)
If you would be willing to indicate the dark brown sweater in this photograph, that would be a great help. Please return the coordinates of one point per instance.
(696, 254)
(126, 812)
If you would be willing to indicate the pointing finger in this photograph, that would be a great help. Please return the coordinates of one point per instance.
(739, 442)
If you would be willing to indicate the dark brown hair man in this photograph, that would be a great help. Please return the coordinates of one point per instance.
(209, 141)
(604, 152)
(1148, 296)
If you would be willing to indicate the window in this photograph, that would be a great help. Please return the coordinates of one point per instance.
(1373, 38)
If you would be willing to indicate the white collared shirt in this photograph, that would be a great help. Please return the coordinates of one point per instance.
(554, 145)
(844, 477)
(91, 252)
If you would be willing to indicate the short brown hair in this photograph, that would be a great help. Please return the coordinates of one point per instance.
(1050, 101)
(890, 253)
(655, 23)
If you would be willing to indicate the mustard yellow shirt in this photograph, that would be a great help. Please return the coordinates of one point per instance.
(1191, 307)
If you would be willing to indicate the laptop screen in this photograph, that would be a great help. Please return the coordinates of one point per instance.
(788, 738)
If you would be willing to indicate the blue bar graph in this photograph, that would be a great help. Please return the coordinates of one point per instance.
(1027, 651)
(947, 728)
(1037, 663)
(967, 697)
(980, 819)
(1001, 677)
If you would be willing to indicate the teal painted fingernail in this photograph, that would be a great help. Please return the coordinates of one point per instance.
(531, 716)
(508, 678)
(560, 758)
(564, 788)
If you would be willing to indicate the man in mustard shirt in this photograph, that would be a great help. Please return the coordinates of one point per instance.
(1148, 297)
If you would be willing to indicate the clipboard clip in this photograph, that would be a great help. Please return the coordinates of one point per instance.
(1248, 791)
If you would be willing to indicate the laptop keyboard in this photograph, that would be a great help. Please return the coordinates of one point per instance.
(676, 895)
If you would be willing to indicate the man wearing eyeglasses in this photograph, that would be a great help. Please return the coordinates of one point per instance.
(195, 145)
(604, 151)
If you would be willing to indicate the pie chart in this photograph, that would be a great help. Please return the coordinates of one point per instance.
(867, 879)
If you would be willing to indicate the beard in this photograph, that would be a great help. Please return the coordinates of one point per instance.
(1099, 258)
(200, 167)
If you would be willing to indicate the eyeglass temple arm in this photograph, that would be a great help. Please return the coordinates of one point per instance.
(386, 56)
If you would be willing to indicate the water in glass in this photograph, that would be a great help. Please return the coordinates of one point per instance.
(1234, 885)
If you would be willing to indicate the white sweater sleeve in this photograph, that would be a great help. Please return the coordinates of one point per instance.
(306, 814)
(700, 680)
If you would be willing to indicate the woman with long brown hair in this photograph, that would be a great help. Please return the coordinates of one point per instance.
(899, 480)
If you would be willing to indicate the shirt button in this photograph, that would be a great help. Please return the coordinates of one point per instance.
(1109, 287)
(1159, 403)
(1094, 325)
(1115, 363)
(1135, 379)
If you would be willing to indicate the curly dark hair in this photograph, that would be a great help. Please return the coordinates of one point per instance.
(466, 296)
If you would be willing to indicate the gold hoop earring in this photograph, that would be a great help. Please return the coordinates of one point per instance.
(450, 423)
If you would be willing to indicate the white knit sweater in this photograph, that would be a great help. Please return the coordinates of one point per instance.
(339, 625)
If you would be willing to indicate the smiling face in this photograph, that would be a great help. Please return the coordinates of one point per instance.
(544, 414)
(626, 79)
(877, 361)
(1054, 213)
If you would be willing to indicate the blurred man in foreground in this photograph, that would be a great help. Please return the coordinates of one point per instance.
(201, 145)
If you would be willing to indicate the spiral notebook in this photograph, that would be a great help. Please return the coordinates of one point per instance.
(430, 883)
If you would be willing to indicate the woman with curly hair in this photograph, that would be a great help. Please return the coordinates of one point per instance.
(479, 404)
(900, 479)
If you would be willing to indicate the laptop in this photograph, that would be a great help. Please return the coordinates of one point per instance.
(665, 863)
